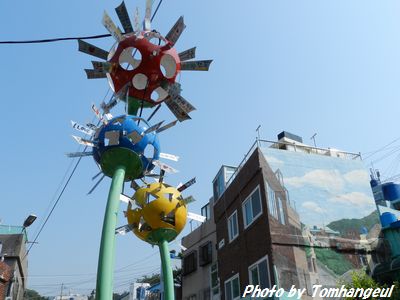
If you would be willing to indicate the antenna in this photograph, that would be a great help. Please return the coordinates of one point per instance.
(313, 138)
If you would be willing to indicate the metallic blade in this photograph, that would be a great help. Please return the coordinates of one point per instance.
(122, 230)
(196, 217)
(78, 154)
(83, 141)
(189, 200)
(183, 104)
(169, 156)
(178, 112)
(187, 184)
(153, 128)
(187, 54)
(96, 185)
(125, 198)
(162, 173)
(165, 127)
(94, 74)
(164, 167)
(124, 17)
(107, 107)
(92, 126)
(92, 50)
(102, 66)
(147, 17)
(81, 128)
(174, 90)
(197, 65)
(176, 31)
(136, 20)
(111, 27)
(97, 112)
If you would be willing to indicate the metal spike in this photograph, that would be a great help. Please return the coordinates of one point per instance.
(94, 74)
(164, 166)
(162, 173)
(197, 65)
(187, 184)
(79, 154)
(92, 50)
(123, 17)
(96, 185)
(82, 141)
(183, 104)
(111, 27)
(153, 113)
(178, 112)
(169, 125)
(147, 17)
(187, 54)
(188, 200)
(102, 66)
(97, 175)
(169, 156)
(153, 128)
(136, 20)
(176, 31)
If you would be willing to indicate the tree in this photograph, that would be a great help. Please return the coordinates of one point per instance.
(359, 279)
(33, 295)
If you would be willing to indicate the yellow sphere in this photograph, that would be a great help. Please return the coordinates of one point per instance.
(161, 207)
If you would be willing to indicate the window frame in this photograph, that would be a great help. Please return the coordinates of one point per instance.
(194, 252)
(203, 262)
(256, 265)
(249, 198)
(272, 204)
(231, 279)
(229, 228)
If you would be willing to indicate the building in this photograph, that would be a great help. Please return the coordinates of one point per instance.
(13, 262)
(289, 214)
(199, 266)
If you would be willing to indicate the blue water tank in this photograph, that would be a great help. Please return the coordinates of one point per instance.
(387, 218)
(391, 191)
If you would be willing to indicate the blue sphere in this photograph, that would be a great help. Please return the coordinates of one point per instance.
(123, 142)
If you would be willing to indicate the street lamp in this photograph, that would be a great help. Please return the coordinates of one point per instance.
(29, 220)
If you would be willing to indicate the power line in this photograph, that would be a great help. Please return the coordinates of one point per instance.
(89, 37)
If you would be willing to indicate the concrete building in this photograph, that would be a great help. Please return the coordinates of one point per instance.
(282, 218)
(199, 260)
(13, 263)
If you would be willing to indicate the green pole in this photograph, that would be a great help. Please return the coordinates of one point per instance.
(105, 269)
(168, 278)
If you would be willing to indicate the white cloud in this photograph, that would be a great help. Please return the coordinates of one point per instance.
(353, 198)
(273, 160)
(357, 177)
(326, 179)
(310, 205)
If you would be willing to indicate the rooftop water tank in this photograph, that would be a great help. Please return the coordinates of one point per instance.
(391, 191)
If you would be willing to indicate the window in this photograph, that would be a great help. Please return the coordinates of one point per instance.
(259, 273)
(232, 288)
(233, 230)
(190, 263)
(252, 207)
(205, 211)
(205, 254)
(281, 212)
(272, 209)
(214, 279)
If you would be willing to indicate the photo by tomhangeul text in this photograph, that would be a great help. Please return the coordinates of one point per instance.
(254, 291)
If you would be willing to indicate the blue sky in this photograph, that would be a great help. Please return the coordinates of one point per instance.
(325, 67)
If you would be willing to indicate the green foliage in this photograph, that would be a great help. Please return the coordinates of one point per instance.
(33, 295)
(361, 280)
(333, 260)
(152, 279)
(344, 225)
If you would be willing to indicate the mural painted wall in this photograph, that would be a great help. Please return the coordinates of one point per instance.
(322, 217)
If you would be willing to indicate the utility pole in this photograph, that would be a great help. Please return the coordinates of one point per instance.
(61, 293)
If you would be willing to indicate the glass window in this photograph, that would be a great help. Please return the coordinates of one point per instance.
(232, 288)
(233, 230)
(272, 209)
(259, 273)
(252, 207)
(281, 211)
(205, 211)
(190, 263)
(206, 254)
